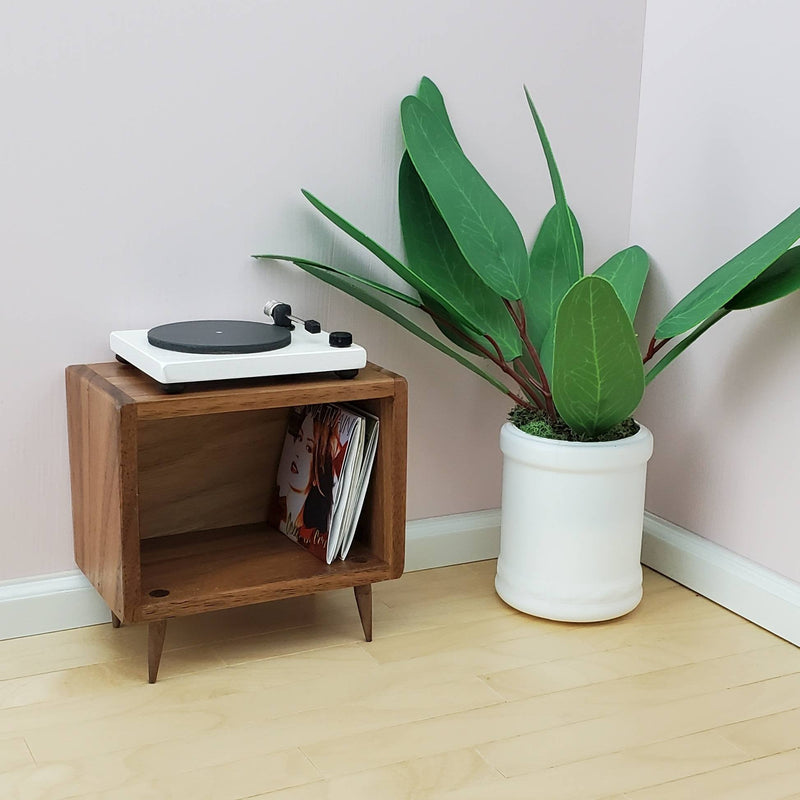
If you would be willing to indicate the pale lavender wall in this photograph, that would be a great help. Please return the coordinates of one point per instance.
(148, 148)
(717, 165)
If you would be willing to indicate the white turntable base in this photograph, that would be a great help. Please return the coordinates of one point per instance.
(308, 352)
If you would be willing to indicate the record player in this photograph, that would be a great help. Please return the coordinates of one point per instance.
(179, 353)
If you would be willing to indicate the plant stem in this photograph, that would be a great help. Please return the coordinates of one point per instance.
(534, 384)
(684, 343)
(519, 365)
(497, 359)
(522, 327)
(653, 348)
(530, 391)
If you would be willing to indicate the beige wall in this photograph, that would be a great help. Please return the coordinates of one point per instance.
(717, 165)
(149, 148)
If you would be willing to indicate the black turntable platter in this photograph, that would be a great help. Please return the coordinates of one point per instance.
(219, 336)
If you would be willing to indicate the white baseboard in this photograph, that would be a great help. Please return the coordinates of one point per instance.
(67, 600)
(49, 603)
(453, 539)
(746, 588)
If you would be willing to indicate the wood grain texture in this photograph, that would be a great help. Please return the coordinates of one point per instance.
(103, 467)
(397, 477)
(678, 699)
(244, 395)
(171, 492)
(210, 570)
(207, 471)
(156, 634)
(364, 602)
(385, 504)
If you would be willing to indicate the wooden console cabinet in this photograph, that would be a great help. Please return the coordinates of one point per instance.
(170, 493)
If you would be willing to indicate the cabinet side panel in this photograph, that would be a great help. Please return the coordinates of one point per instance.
(211, 471)
(129, 509)
(94, 451)
(383, 519)
(396, 496)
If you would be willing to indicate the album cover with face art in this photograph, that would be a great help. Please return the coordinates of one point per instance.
(321, 457)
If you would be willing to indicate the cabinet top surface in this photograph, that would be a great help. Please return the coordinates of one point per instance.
(127, 385)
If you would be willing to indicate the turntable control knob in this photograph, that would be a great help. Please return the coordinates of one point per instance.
(340, 339)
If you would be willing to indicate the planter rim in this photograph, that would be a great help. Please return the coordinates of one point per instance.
(643, 434)
(555, 454)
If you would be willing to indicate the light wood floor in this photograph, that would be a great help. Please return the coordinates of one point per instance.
(458, 697)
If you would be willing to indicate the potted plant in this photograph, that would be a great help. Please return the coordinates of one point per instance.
(562, 347)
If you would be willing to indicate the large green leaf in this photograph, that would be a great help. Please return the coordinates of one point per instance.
(598, 378)
(353, 289)
(780, 278)
(573, 254)
(726, 282)
(550, 276)
(429, 93)
(483, 227)
(434, 256)
(626, 272)
(463, 318)
(546, 352)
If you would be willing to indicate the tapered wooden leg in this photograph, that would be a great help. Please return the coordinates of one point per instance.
(156, 632)
(115, 620)
(364, 603)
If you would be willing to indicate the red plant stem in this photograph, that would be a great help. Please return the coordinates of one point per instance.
(519, 365)
(527, 375)
(522, 327)
(495, 359)
(510, 372)
(653, 348)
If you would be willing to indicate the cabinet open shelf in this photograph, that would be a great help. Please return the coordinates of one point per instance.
(224, 567)
(170, 493)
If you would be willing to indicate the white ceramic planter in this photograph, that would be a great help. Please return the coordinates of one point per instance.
(571, 525)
